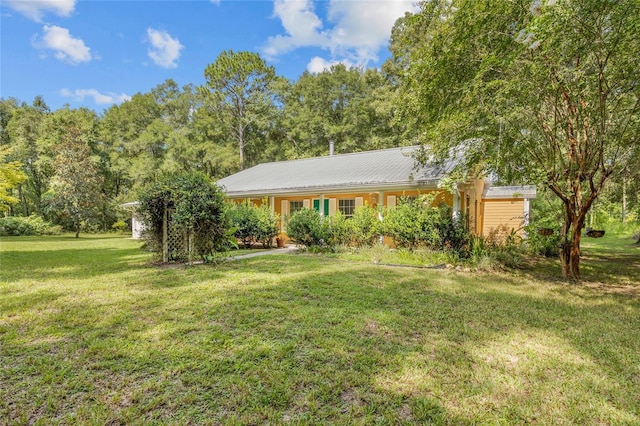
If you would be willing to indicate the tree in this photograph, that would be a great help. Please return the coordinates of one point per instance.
(239, 89)
(543, 91)
(135, 135)
(347, 106)
(11, 176)
(23, 130)
(7, 108)
(76, 187)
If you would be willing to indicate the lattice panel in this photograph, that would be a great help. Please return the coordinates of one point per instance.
(177, 243)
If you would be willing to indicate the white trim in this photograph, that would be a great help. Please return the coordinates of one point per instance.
(456, 205)
(284, 212)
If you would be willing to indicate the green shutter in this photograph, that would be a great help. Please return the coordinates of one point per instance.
(316, 206)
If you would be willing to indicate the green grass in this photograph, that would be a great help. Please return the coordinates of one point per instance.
(90, 333)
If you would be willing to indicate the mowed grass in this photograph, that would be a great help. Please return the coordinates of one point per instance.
(91, 333)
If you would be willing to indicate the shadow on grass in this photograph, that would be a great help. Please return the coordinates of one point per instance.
(81, 263)
(305, 339)
(610, 264)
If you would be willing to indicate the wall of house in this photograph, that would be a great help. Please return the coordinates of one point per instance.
(508, 212)
(484, 215)
(255, 201)
(282, 205)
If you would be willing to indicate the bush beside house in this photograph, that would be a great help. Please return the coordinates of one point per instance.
(253, 224)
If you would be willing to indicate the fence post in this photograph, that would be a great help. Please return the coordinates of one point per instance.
(190, 246)
(165, 235)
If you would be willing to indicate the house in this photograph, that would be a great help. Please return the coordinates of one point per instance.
(377, 178)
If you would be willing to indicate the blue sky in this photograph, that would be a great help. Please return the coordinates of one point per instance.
(97, 53)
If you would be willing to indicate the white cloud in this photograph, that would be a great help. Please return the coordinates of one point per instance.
(302, 25)
(318, 64)
(35, 9)
(98, 98)
(354, 32)
(164, 50)
(215, 1)
(66, 47)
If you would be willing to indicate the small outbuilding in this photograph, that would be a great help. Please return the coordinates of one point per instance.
(137, 225)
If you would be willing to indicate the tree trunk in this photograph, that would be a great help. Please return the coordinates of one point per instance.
(23, 202)
(77, 229)
(570, 247)
(574, 258)
(241, 144)
(624, 200)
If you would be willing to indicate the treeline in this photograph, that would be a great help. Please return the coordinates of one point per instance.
(75, 166)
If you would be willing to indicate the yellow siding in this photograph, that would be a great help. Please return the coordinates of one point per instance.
(374, 199)
(502, 212)
(255, 201)
(441, 196)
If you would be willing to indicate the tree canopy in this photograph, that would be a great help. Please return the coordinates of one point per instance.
(11, 176)
(537, 91)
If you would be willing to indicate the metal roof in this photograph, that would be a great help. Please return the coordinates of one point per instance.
(525, 191)
(131, 206)
(373, 170)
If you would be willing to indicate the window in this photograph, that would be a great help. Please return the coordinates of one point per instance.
(347, 206)
(295, 206)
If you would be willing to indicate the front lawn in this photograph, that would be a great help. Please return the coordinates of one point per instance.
(90, 332)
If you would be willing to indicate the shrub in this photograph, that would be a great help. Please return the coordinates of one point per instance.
(453, 232)
(196, 204)
(254, 224)
(267, 225)
(306, 227)
(403, 224)
(244, 218)
(30, 225)
(366, 226)
(119, 226)
(337, 230)
(543, 245)
(417, 223)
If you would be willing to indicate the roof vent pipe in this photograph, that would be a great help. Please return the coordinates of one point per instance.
(331, 148)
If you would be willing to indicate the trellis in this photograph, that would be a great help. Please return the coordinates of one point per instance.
(177, 241)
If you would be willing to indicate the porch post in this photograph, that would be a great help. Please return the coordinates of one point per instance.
(456, 205)
(527, 213)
